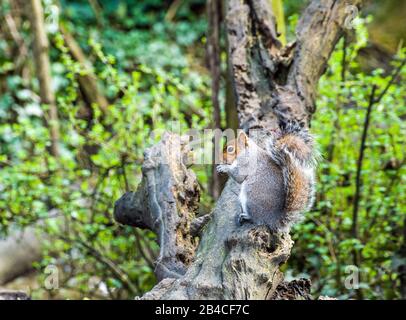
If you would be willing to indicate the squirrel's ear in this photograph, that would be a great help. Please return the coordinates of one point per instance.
(242, 139)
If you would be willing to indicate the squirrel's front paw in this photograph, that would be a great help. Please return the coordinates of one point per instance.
(223, 168)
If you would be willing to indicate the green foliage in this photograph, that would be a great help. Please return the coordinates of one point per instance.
(70, 199)
(324, 242)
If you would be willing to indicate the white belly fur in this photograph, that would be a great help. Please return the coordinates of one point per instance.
(243, 198)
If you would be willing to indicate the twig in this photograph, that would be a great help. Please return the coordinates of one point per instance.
(88, 81)
(127, 185)
(344, 59)
(18, 39)
(173, 9)
(360, 160)
(372, 101)
(98, 12)
(147, 258)
(116, 270)
(358, 183)
(393, 78)
(388, 190)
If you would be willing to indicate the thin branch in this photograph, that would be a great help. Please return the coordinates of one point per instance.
(115, 269)
(43, 68)
(98, 12)
(213, 54)
(146, 256)
(18, 39)
(358, 182)
(124, 174)
(391, 81)
(387, 193)
(176, 4)
(88, 81)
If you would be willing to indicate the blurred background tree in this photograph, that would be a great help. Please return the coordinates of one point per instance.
(120, 69)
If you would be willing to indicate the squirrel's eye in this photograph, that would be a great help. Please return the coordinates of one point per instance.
(230, 149)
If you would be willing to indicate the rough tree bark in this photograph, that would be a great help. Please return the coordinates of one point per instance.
(269, 81)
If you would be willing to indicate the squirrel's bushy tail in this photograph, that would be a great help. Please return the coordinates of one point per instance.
(295, 152)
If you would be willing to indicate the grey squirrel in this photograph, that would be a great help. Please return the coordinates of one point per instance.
(288, 159)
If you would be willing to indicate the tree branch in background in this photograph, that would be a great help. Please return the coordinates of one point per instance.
(213, 55)
(98, 12)
(358, 180)
(394, 76)
(88, 81)
(176, 4)
(18, 39)
(43, 69)
(402, 266)
(115, 269)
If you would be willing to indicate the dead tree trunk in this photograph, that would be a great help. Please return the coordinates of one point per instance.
(269, 81)
(43, 69)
